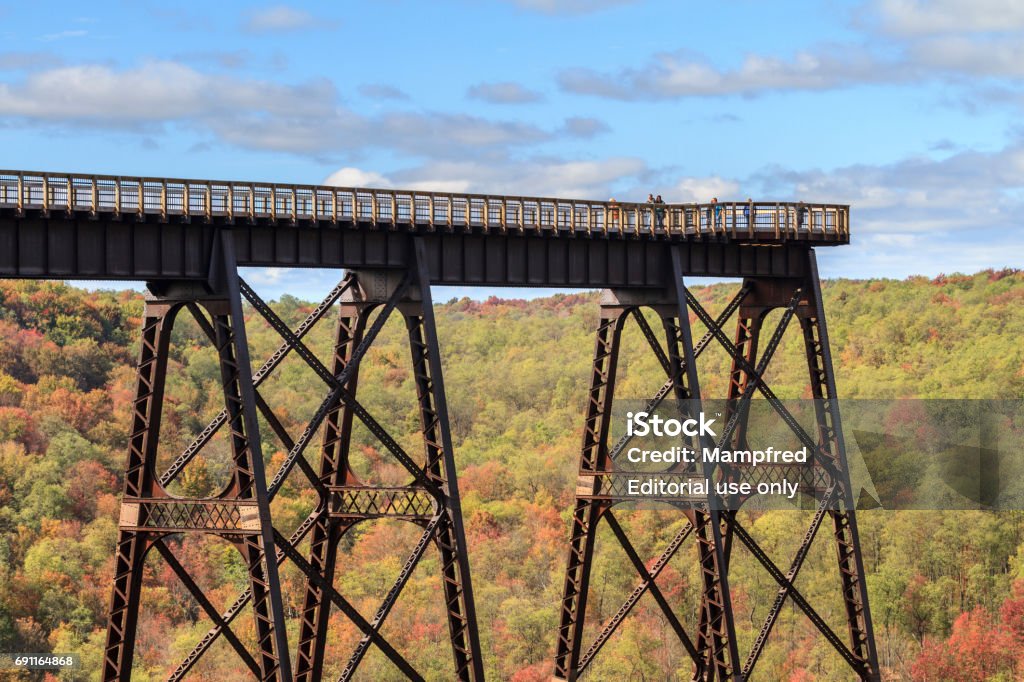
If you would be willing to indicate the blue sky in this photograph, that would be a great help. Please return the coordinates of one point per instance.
(907, 109)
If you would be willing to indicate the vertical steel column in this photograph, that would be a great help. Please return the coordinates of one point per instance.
(132, 544)
(451, 535)
(748, 329)
(830, 434)
(326, 532)
(245, 434)
(587, 512)
(721, 654)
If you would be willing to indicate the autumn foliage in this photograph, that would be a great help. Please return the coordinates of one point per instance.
(947, 589)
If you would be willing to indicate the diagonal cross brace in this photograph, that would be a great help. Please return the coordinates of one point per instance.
(634, 597)
(794, 569)
(773, 400)
(264, 408)
(652, 340)
(648, 580)
(391, 597)
(797, 598)
(652, 586)
(667, 387)
(236, 607)
(755, 373)
(207, 606)
(345, 607)
(339, 392)
(258, 376)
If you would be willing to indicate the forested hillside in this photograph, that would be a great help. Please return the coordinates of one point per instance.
(947, 588)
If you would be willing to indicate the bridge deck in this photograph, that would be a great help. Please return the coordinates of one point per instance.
(105, 227)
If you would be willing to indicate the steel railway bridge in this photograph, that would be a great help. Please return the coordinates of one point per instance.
(186, 240)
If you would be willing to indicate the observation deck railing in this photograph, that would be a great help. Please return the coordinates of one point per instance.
(126, 197)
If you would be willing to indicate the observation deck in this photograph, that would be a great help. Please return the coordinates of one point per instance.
(69, 226)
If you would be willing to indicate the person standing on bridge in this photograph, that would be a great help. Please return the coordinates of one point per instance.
(714, 213)
(613, 213)
(650, 210)
(659, 211)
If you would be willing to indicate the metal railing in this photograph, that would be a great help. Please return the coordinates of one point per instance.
(206, 199)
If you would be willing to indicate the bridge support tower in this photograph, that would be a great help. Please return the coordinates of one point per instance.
(241, 513)
(713, 523)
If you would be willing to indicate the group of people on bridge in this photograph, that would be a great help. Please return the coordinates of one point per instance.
(714, 215)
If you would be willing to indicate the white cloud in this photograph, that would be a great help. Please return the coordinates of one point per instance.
(880, 256)
(704, 189)
(681, 74)
(904, 42)
(156, 91)
(959, 195)
(582, 179)
(579, 126)
(281, 19)
(503, 93)
(267, 276)
(28, 61)
(917, 17)
(1001, 56)
(355, 177)
(304, 118)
